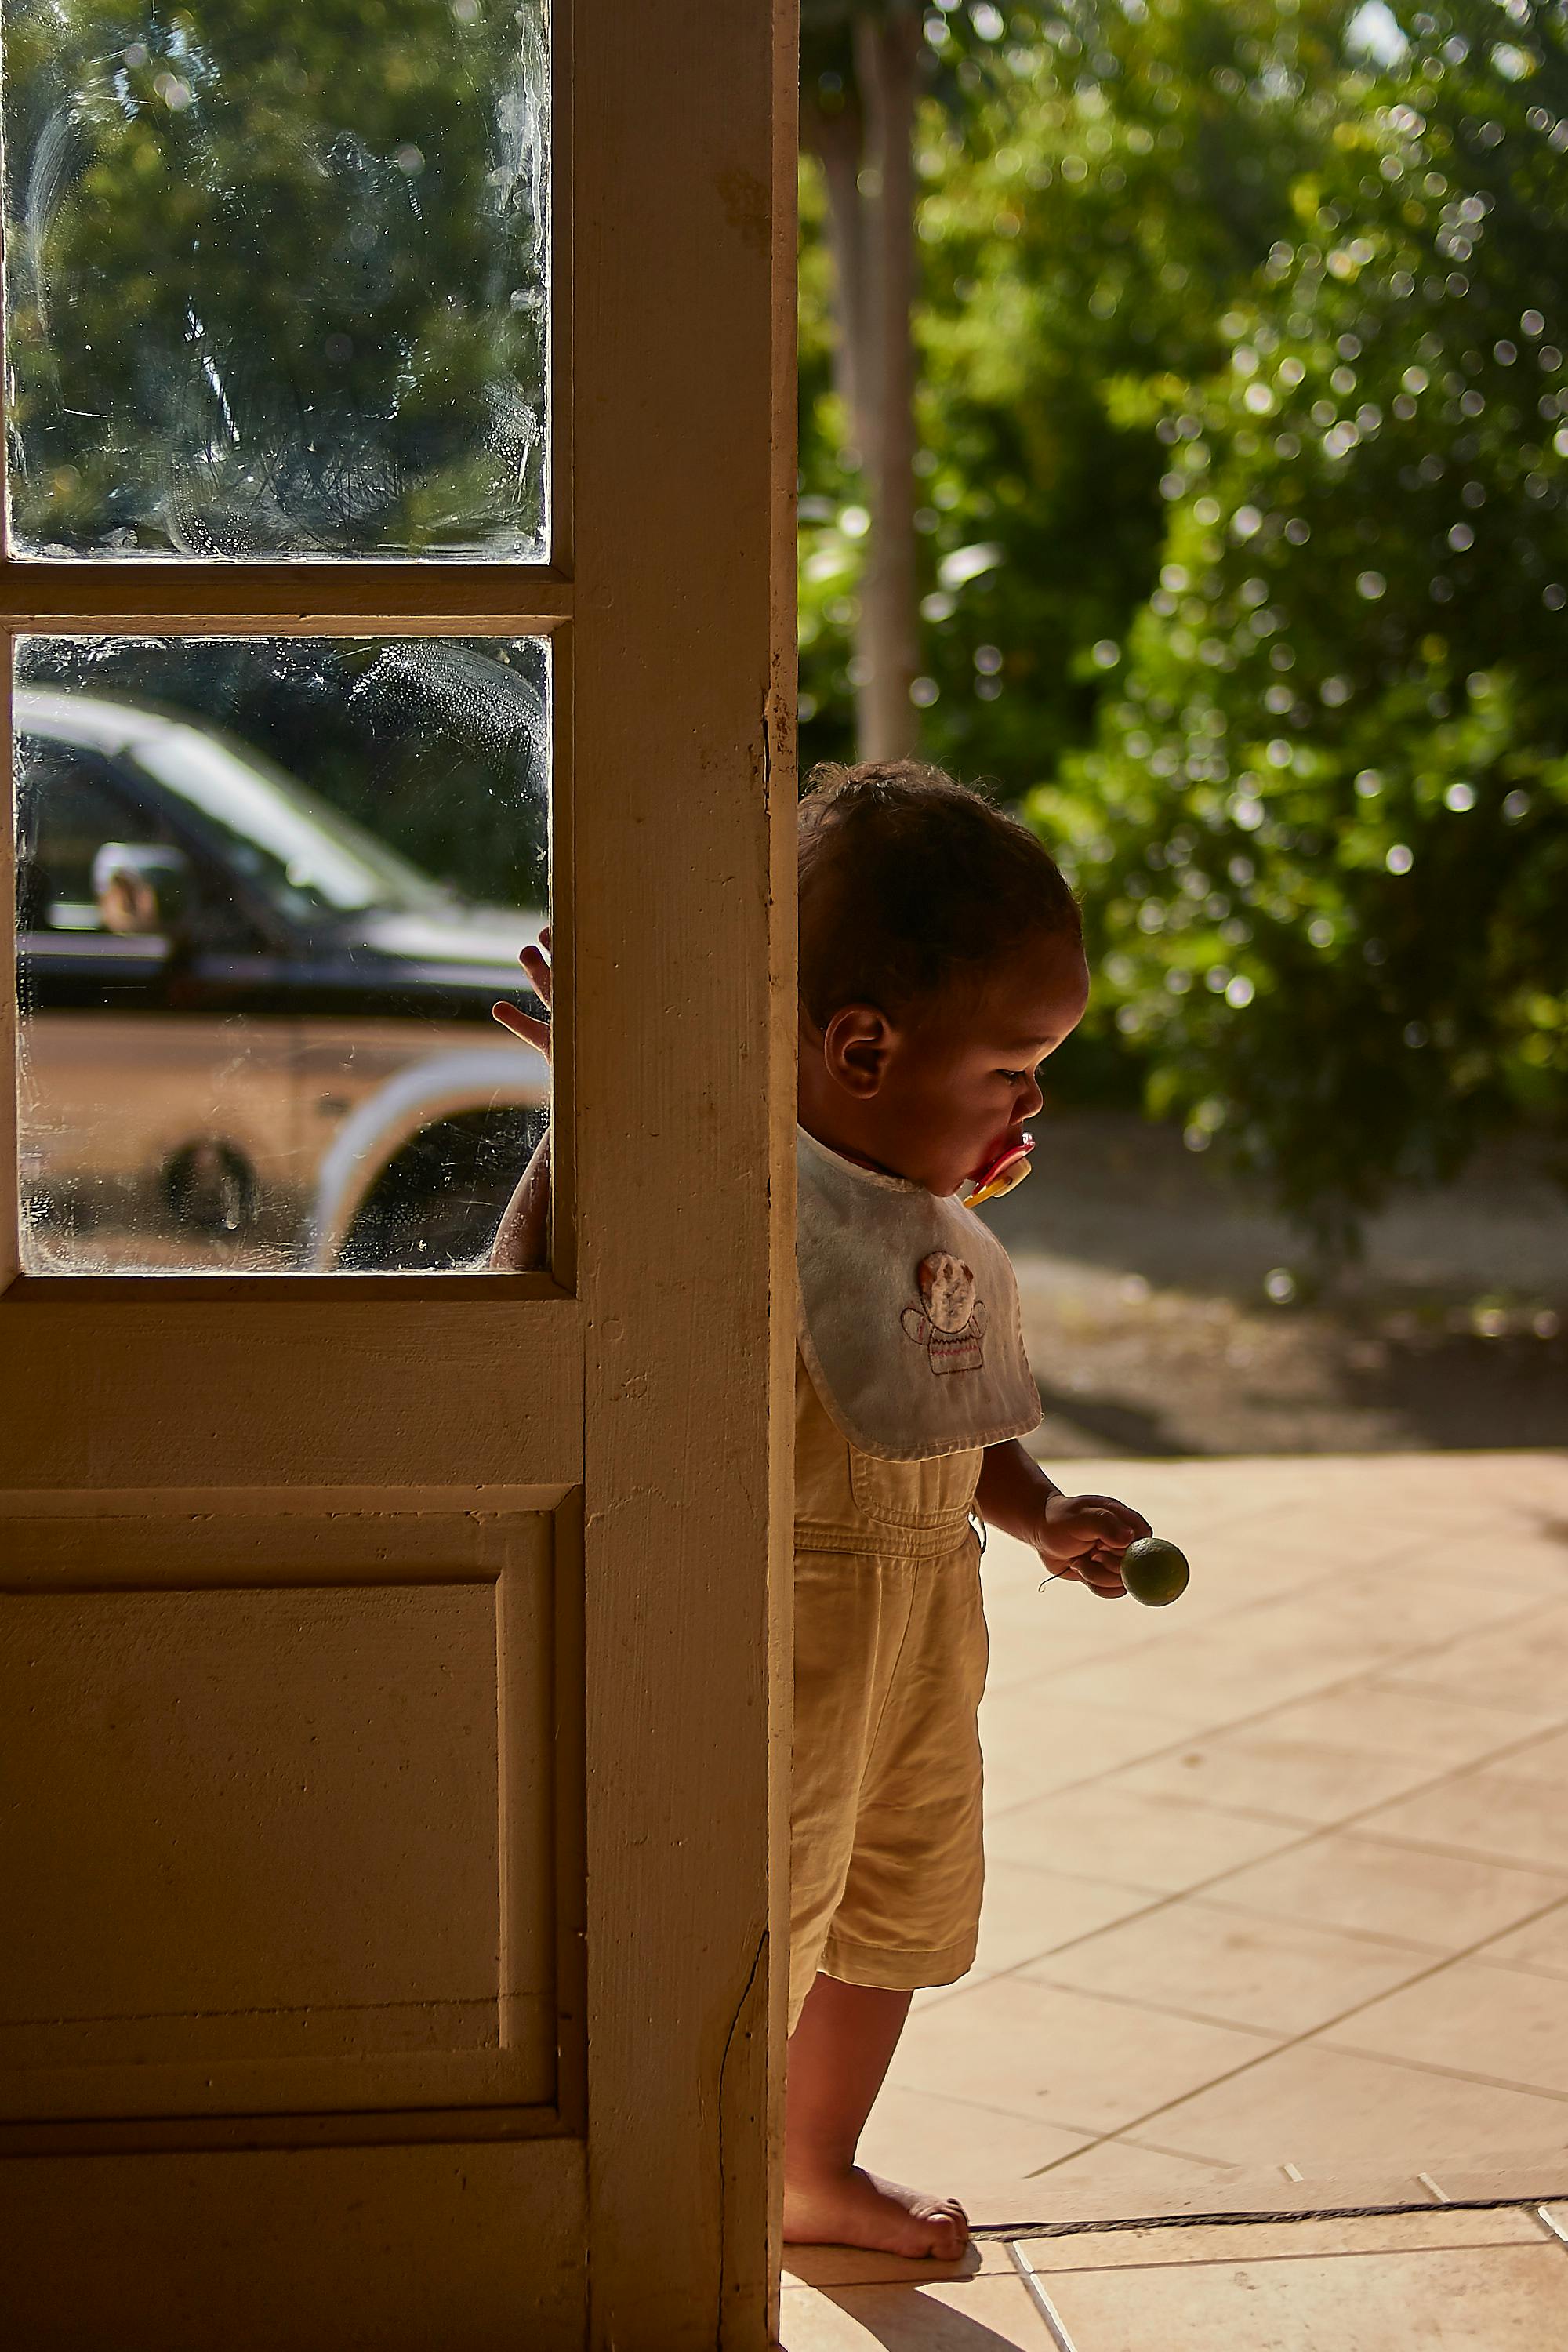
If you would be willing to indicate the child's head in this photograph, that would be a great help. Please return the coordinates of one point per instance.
(941, 960)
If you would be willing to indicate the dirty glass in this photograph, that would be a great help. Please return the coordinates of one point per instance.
(277, 279)
(267, 891)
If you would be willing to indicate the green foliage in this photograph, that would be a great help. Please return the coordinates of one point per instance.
(1091, 202)
(1323, 830)
(275, 276)
(1232, 334)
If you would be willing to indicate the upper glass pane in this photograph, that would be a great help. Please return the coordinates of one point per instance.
(277, 280)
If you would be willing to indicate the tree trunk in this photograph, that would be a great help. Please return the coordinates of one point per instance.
(837, 140)
(887, 54)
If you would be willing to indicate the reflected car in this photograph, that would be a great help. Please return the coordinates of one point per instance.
(252, 1035)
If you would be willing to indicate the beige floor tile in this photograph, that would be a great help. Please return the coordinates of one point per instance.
(1330, 2109)
(1280, 2241)
(1421, 1609)
(1241, 1669)
(1523, 1665)
(1485, 1812)
(1487, 2299)
(1543, 1945)
(1537, 2176)
(1295, 1779)
(1343, 1880)
(1129, 2178)
(1542, 1760)
(1278, 1975)
(1503, 2023)
(1028, 1912)
(1061, 2057)
(1152, 1842)
(1439, 1730)
(1034, 1735)
(1509, 1558)
(953, 2143)
(1035, 1655)
(979, 2315)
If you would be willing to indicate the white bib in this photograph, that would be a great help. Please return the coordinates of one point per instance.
(909, 1314)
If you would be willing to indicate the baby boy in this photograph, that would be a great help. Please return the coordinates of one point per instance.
(941, 962)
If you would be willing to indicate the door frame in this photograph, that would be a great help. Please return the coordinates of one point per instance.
(641, 1388)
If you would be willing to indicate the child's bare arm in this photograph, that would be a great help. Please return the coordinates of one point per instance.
(1081, 1535)
(522, 1240)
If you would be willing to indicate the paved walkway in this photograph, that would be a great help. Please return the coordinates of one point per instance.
(1277, 1894)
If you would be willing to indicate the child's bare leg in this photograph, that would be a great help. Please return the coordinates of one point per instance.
(838, 2053)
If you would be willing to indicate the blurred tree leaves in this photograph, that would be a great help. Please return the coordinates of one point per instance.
(1245, 434)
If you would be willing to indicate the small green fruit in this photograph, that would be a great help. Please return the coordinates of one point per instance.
(1154, 1571)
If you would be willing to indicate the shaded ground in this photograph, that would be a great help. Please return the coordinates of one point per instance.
(1145, 1278)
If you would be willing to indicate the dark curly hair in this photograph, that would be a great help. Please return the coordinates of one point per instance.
(911, 884)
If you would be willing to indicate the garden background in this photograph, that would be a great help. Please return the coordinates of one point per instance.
(1234, 558)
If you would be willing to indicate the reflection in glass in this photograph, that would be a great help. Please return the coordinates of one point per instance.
(276, 278)
(268, 890)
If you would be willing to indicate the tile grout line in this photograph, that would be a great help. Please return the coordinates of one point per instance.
(1489, 1759)
(1390, 1665)
(1035, 1972)
(1384, 1670)
(1297, 2041)
(1039, 2298)
(1484, 1763)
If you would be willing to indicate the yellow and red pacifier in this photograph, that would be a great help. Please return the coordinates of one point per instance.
(1004, 1173)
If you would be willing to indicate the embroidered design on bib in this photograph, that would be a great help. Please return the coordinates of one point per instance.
(949, 1324)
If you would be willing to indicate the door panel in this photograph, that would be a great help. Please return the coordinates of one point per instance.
(310, 1824)
(312, 2252)
(285, 1550)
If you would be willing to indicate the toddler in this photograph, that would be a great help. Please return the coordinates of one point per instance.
(941, 961)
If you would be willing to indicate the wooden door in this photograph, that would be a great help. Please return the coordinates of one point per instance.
(388, 1674)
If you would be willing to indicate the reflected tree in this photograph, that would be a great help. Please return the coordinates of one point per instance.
(267, 293)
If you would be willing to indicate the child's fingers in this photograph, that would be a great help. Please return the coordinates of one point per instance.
(523, 1025)
(538, 971)
(1116, 1525)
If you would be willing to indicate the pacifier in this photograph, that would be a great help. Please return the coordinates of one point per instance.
(1003, 1174)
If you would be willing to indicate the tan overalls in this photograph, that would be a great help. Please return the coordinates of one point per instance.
(890, 1665)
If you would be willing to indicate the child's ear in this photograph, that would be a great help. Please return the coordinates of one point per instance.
(855, 1046)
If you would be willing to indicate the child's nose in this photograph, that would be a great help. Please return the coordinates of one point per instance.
(1031, 1100)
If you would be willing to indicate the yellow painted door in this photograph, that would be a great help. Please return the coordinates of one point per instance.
(387, 1659)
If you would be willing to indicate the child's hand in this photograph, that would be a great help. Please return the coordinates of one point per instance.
(1084, 1536)
(535, 962)
(522, 1240)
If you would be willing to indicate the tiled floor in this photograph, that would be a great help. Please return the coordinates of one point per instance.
(1279, 1882)
(1492, 2279)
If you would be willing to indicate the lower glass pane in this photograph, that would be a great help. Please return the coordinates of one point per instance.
(268, 890)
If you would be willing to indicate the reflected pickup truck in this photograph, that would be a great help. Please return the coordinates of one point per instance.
(253, 1037)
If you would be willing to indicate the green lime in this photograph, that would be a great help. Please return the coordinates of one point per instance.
(1154, 1571)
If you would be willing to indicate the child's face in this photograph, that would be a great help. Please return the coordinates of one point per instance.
(937, 1095)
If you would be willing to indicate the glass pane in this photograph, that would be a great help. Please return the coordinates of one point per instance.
(267, 891)
(276, 278)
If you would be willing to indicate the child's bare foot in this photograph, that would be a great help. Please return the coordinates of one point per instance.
(856, 2209)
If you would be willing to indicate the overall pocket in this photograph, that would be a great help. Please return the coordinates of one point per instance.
(915, 1494)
